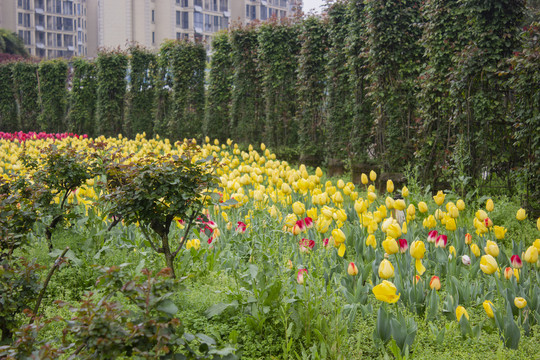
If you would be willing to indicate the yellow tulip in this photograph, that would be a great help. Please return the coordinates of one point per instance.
(475, 250)
(521, 214)
(492, 248)
(452, 250)
(290, 220)
(435, 283)
(520, 302)
(372, 175)
(499, 232)
(338, 235)
(531, 255)
(453, 212)
(394, 231)
(460, 311)
(488, 307)
(489, 205)
(390, 186)
(538, 224)
(298, 208)
(417, 249)
(460, 204)
(371, 196)
(386, 291)
(420, 268)
(422, 207)
(390, 245)
(481, 215)
(370, 241)
(389, 202)
(450, 224)
(405, 191)
(341, 251)
(400, 204)
(404, 228)
(439, 198)
(411, 211)
(364, 179)
(386, 269)
(536, 244)
(488, 264)
(312, 213)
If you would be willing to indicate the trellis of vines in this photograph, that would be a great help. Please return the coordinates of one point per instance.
(8, 106)
(52, 83)
(82, 110)
(140, 97)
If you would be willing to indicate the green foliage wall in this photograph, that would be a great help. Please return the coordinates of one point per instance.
(52, 82)
(338, 125)
(218, 105)
(163, 83)
(311, 88)
(247, 109)
(8, 106)
(26, 94)
(82, 111)
(140, 98)
(394, 60)
(111, 90)
(187, 67)
(278, 48)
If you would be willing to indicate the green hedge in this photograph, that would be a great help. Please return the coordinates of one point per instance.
(8, 106)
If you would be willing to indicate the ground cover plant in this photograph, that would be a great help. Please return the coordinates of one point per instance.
(270, 261)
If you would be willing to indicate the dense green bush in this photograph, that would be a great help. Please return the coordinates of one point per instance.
(82, 110)
(52, 83)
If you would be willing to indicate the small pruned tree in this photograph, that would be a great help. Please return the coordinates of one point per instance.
(56, 174)
(152, 192)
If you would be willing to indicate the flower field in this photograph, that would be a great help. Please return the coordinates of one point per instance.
(273, 261)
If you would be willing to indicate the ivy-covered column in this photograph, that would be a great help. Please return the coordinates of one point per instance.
(8, 106)
(82, 110)
(111, 91)
(140, 99)
(163, 84)
(247, 120)
(278, 55)
(52, 82)
(218, 101)
(188, 70)
(26, 94)
(311, 116)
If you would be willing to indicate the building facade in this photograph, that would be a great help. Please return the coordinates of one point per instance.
(48, 28)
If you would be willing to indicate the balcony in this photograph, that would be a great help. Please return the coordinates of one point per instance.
(40, 45)
(40, 11)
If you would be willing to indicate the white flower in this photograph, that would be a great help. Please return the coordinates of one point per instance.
(466, 260)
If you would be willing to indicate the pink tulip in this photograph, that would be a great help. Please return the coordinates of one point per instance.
(300, 276)
(515, 260)
(403, 245)
(441, 241)
(432, 236)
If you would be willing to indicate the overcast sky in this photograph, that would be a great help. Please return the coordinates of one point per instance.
(313, 4)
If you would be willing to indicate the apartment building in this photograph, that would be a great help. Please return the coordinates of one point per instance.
(119, 23)
(246, 11)
(150, 22)
(48, 28)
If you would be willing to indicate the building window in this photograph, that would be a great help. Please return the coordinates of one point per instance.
(153, 37)
(206, 4)
(282, 3)
(185, 3)
(185, 20)
(153, 16)
(282, 13)
(20, 18)
(198, 20)
(68, 24)
(197, 3)
(215, 5)
(59, 40)
(264, 12)
(27, 20)
(224, 5)
(207, 23)
(251, 12)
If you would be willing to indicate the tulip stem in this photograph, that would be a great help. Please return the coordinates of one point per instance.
(400, 274)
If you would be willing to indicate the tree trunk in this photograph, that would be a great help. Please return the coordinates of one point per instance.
(169, 258)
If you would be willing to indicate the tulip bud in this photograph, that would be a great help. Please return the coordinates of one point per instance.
(370, 241)
(460, 311)
(352, 270)
(390, 186)
(521, 214)
(386, 269)
(432, 236)
(441, 241)
(417, 278)
(460, 205)
(422, 207)
(466, 260)
(508, 272)
(435, 283)
(364, 179)
(300, 276)
(515, 260)
(489, 205)
(488, 307)
(289, 264)
(403, 245)
(390, 246)
(488, 222)
(475, 250)
(451, 252)
(372, 175)
(405, 191)
(492, 248)
(488, 264)
(520, 302)
(536, 244)
(531, 255)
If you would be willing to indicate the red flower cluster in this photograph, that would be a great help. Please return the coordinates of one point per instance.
(21, 136)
